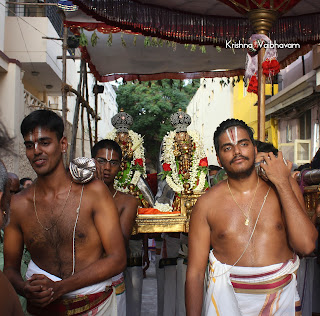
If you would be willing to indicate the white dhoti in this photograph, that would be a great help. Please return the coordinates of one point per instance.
(133, 276)
(181, 275)
(170, 275)
(120, 290)
(251, 291)
(97, 299)
(160, 278)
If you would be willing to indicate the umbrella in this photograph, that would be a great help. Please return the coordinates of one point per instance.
(206, 23)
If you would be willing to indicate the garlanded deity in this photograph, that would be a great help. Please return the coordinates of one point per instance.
(183, 161)
(133, 170)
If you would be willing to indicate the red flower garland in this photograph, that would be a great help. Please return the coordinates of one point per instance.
(166, 167)
(270, 67)
(139, 162)
(253, 85)
(203, 162)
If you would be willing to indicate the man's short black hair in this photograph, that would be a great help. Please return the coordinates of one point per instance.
(106, 143)
(45, 119)
(3, 177)
(264, 147)
(227, 124)
(6, 142)
(23, 180)
(214, 168)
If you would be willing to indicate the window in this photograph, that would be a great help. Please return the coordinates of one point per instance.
(305, 125)
(288, 133)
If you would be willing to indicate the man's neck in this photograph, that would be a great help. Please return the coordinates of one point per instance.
(244, 184)
(111, 188)
(54, 181)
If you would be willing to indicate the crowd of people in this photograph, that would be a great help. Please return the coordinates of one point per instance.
(250, 226)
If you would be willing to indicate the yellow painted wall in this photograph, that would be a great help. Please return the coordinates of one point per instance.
(244, 108)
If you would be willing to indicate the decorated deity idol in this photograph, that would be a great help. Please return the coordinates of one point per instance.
(184, 165)
(131, 178)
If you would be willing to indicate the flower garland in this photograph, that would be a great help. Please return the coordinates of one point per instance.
(199, 164)
(135, 168)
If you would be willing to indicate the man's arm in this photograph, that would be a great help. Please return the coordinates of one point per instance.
(106, 220)
(128, 216)
(302, 234)
(199, 246)
(13, 249)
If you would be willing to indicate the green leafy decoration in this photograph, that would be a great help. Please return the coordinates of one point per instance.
(193, 47)
(147, 41)
(109, 41)
(83, 41)
(203, 49)
(135, 40)
(94, 39)
(154, 42)
(218, 48)
(124, 44)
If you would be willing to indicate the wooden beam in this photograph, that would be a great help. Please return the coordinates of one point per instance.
(83, 101)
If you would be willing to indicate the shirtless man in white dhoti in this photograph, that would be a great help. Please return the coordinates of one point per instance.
(107, 154)
(255, 229)
(72, 231)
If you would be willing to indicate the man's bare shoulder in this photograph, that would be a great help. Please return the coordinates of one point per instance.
(213, 193)
(96, 187)
(128, 198)
(22, 201)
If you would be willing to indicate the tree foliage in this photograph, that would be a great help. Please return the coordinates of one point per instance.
(151, 104)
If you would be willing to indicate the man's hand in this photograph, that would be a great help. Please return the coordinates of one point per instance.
(40, 290)
(99, 171)
(276, 169)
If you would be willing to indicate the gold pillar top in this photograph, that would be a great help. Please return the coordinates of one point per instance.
(262, 20)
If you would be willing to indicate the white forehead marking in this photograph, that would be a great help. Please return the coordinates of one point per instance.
(232, 133)
(107, 152)
(39, 132)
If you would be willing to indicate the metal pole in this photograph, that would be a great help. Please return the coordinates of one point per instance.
(261, 97)
(96, 110)
(64, 75)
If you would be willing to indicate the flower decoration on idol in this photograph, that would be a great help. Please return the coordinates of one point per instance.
(131, 143)
(183, 158)
(270, 64)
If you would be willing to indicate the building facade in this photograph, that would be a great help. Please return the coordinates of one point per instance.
(31, 73)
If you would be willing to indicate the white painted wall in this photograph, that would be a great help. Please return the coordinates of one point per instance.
(211, 105)
(2, 23)
(295, 70)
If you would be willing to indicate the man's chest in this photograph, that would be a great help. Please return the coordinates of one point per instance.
(52, 233)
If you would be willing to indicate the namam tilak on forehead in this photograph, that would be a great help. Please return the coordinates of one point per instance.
(35, 136)
(107, 153)
(232, 133)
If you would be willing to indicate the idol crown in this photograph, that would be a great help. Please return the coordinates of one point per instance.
(122, 121)
(180, 121)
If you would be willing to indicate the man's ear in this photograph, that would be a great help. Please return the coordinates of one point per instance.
(64, 144)
(219, 162)
(1, 202)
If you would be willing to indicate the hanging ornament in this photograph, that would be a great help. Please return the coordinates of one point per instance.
(270, 63)
(253, 85)
(67, 5)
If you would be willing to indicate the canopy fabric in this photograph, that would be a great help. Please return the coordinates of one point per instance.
(213, 27)
(127, 56)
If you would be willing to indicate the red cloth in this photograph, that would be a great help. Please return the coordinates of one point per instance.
(75, 306)
(153, 182)
(150, 211)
